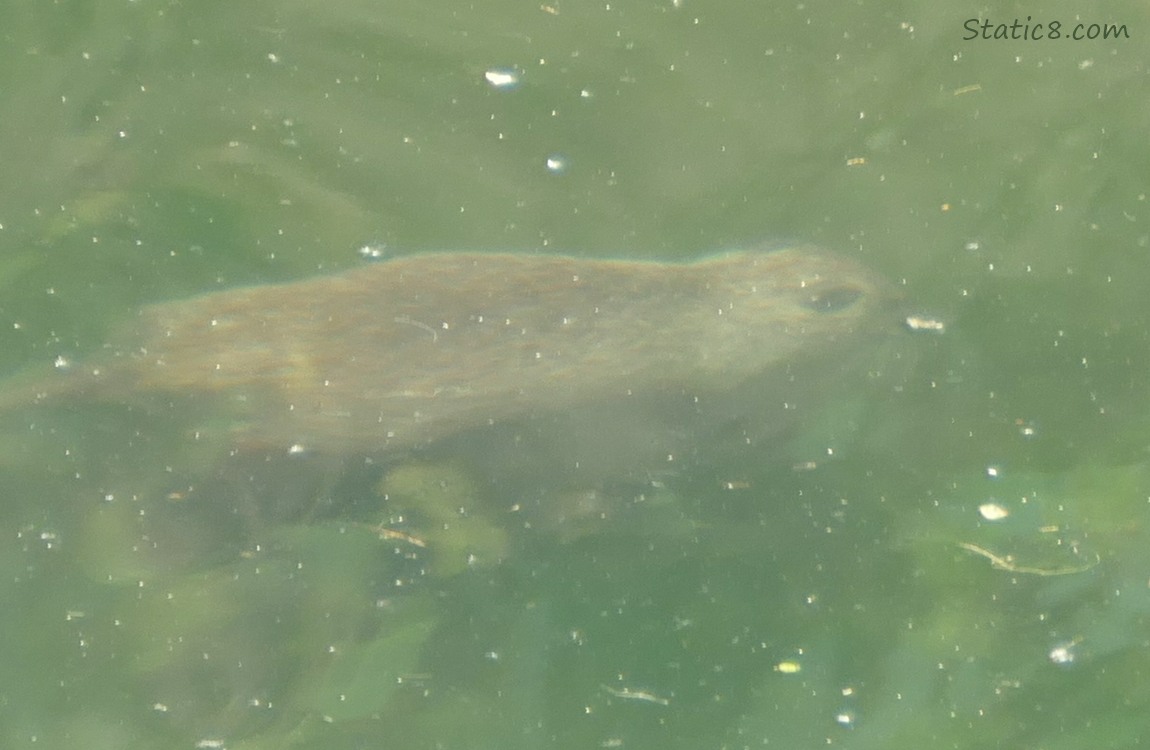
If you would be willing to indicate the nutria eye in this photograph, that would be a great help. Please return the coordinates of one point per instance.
(833, 300)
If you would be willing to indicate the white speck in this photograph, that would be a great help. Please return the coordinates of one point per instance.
(502, 78)
(1063, 653)
(556, 164)
(297, 449)
(372, 250)
(273, 57)
(845, 719)
(62, 363)
(992, 472)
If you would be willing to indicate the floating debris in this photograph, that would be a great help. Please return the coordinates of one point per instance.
(502, 78)
(923, 323)
(1064, 653)
(993, 511)
(627, 693)
(1007, 563)
(789, 667)
(372, 250)
(556, 164)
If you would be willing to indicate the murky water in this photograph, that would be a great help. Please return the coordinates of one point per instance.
(943, 542)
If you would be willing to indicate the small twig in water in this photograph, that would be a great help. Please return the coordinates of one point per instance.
(1007, 564)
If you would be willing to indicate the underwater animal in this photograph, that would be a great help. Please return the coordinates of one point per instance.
(577, 370)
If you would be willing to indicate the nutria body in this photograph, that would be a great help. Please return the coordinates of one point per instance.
(401, 353)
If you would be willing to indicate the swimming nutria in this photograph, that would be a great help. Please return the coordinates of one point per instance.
(608, 367)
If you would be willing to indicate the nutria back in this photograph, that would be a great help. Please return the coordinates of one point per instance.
(403, 352)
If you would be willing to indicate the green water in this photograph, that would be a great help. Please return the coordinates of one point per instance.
(152, 151)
